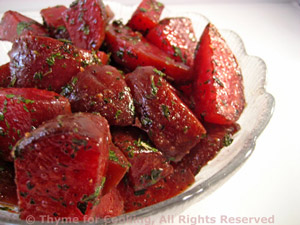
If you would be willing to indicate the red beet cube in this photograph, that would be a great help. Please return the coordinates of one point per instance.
(146, 16)
(14, 24)
(23, 109)
(61, 167)
(170, 124)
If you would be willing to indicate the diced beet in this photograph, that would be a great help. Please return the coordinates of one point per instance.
(8, 189)
(171, 126)
(102, 89)
(162, 190)
(14, 24)
(130, 49)
(23, 109)
(146, 16)
(217, 137)
(61, 167)
(5, 75)
(85, 21)
(117, 167)
(53, 20)
(148, 165)
(176, 37)
(46, 63)
(218, 88)
(111, 205)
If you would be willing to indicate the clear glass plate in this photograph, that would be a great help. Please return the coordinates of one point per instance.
(259, 109)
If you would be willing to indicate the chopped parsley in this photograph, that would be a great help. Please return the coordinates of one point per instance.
(23, 25)
(154, 89)
(166, 111)
(227, 140)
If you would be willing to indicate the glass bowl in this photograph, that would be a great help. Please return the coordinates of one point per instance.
(254, 119)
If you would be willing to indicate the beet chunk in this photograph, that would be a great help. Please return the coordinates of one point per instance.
(217, 137)
(23, 109)
(117, 167)
(85, 21)
(14, 24)
(176, 37)
(171, 126)
(146, 16)
(166, 188)
(102, 89)
(148, 165)
(218, 89)
(61, 167)
(53, 20)
(130, 50)
(46, 63)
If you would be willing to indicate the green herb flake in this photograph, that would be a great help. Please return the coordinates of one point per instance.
(158, 72)
(118, 113)
(25, 108)
(23, 26)
(165, 111)
(177, 52)
(155, 174)
(10, 96)
(120, 54)
(227, 140)
(51, 59)
(143, 9)
(74, 80)
(146, 121)
(86, 29)
(113, 156)
(28, 101)
(61, 28)
(154, 89)
(38, 76)
(121, 95)
(1, 116)
(146, 146)
(108, 72)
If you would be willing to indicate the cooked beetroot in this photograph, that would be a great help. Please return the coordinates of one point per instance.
(148, 165)
(117, 167)
(46, 63)
(166, 188)
(102, 89)
(14, 24)
(53, 20)
(5, 75)
(23, 109)
(171, 126)
(218, 87)
(130, 50)
(85, 21)
(217, 137)
(61, 167)
(176, 37)
(146, 16)
(111, 204)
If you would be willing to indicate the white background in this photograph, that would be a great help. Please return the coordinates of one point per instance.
(268, 184)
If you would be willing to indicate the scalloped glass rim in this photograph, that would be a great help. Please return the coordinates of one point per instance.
(260, 106)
